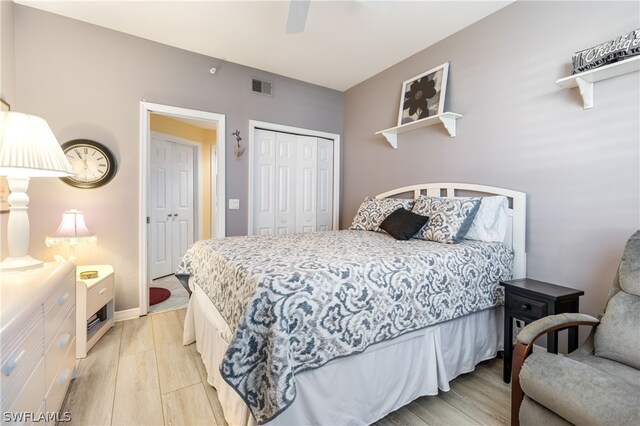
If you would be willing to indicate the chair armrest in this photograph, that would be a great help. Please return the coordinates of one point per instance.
(551, 323)
(524, 344)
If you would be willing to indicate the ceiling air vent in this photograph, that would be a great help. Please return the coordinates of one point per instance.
(262, 87)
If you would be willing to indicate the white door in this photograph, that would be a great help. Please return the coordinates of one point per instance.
(264, 183)
(182, 193)
(324, 209)
(292, 183)
(172, 205)
(307, 169)
(161, 209)
(285, 194)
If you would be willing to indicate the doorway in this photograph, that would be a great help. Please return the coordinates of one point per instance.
(182, 195)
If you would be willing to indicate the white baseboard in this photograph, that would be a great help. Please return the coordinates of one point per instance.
(126, 314)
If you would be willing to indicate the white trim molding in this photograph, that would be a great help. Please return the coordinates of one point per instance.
(218, 215)
(127, 314)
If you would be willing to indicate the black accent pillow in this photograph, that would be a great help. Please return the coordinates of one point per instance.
(403, 224)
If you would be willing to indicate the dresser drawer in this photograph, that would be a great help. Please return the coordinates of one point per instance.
(63, 376)
(99, 295)
(59, 346)
(522, 306)
(30, 398)
(21, 351)
(57, 307)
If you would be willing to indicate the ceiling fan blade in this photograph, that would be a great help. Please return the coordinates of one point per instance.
(297, 18)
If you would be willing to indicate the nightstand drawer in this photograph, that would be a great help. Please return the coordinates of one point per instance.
(522, 306)
(99, 295)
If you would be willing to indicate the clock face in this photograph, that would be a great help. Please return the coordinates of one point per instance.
(93, 163)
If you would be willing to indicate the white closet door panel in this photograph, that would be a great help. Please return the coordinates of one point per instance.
(183, 201)
(307, 169)
(286, 148)
(161, 213)
(264, 183)
(324, 210)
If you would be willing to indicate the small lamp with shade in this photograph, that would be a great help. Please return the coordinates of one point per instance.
(72, 232)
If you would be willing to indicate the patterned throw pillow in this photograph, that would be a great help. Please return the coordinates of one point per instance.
(449, 218)
(372, 212)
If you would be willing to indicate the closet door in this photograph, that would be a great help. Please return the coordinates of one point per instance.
(286, 176)
(324, 209)
(306, 192)
(264, 183)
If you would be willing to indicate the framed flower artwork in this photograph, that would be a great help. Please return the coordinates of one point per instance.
(423, 95)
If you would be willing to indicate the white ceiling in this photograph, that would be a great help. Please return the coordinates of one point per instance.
(344, 42)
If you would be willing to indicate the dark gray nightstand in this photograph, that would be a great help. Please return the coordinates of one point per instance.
(528, 300)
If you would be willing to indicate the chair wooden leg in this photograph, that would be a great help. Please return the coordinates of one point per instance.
(520, 353)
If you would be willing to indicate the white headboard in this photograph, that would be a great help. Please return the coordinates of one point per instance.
(517, 213)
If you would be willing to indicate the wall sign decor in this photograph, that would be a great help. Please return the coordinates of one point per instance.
(618, 49)
(423, 95)
(93, 163)
(236, 149)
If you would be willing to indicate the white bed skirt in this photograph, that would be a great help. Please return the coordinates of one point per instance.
(358, 389)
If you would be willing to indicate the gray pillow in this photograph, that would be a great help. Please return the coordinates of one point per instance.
(449, 218)
(372, 212)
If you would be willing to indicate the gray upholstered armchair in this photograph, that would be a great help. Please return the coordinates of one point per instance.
(598, 383)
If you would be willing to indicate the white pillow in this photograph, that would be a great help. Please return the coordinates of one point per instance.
(490, 223)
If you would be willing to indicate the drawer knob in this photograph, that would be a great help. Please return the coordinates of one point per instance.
(62, 342)
(63, 299)
(525, 307)
(9, 366)
(102, 290)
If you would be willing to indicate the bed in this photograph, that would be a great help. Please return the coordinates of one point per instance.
(344, 327)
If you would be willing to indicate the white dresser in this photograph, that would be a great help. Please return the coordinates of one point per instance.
(37, 341)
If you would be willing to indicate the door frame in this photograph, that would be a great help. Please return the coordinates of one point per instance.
(253, 124)
(197, 181)
(218, 213)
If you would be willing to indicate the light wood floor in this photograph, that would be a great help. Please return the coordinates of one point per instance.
(139, 373)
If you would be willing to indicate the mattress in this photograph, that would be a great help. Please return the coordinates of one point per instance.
(296, 302)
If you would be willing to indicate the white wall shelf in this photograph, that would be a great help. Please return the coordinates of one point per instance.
(448, 119)
(584, 80)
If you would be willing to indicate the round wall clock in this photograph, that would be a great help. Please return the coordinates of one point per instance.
(93, 163)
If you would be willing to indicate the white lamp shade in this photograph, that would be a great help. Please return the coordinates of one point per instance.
(72, 231)
(28, 148)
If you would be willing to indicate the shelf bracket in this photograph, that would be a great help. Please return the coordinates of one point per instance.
(449, 124)
(586, 91)
(392, 138)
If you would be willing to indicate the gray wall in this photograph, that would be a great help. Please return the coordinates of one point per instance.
(579, 168)
(7, 52)
(87, 82)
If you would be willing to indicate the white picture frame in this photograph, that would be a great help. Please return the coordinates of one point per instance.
(423, 96)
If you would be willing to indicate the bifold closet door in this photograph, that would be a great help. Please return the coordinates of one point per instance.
(172, 205)
(292, 183)
(324, 208)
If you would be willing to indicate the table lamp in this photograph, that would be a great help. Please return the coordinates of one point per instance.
(28, 149)
(72, 232)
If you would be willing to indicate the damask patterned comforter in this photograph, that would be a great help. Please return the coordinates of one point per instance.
(298, 301)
